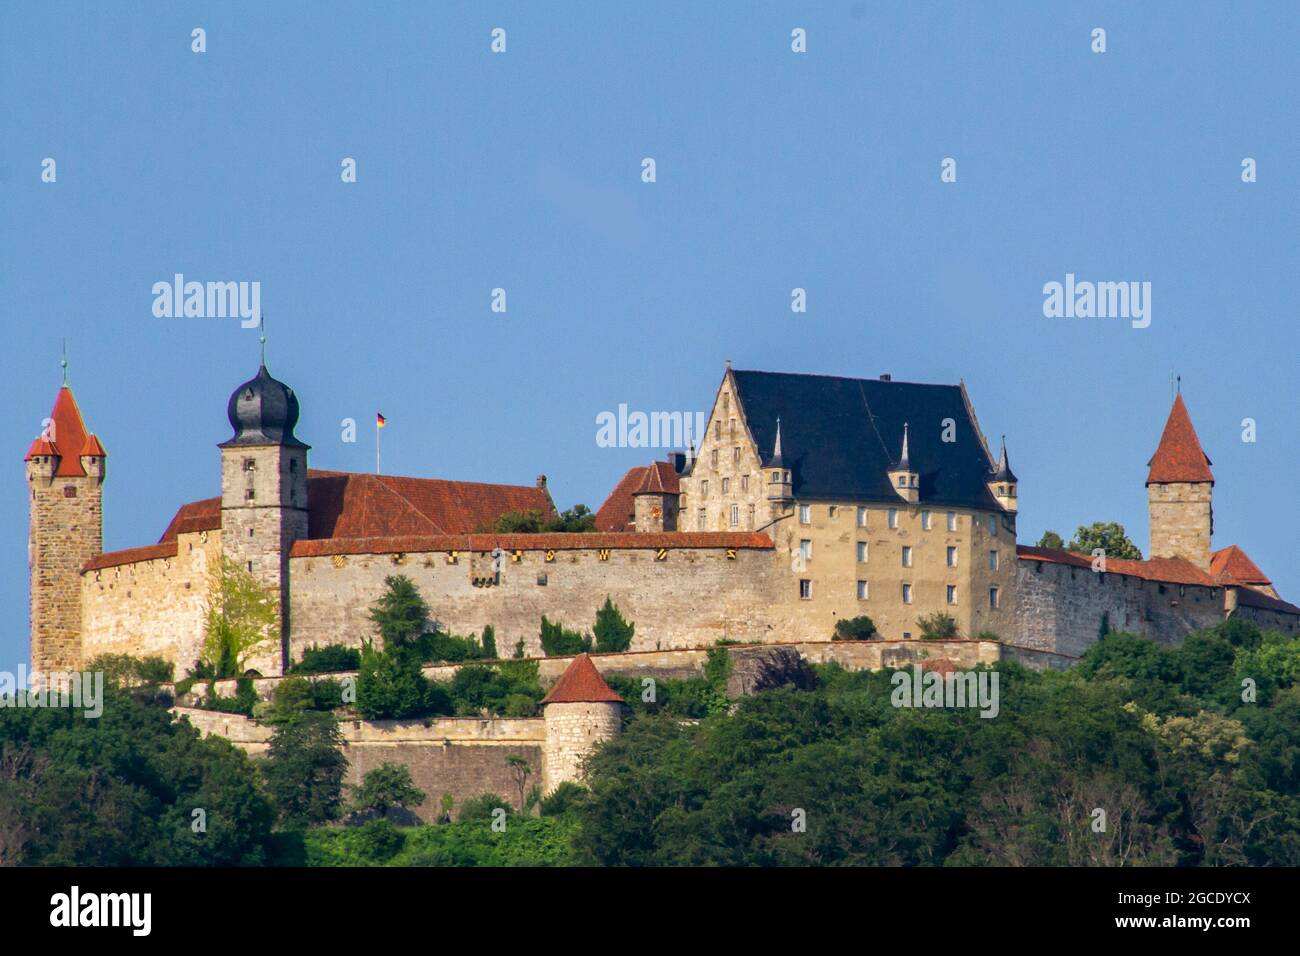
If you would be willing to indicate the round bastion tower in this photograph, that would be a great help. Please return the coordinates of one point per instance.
(581, 712)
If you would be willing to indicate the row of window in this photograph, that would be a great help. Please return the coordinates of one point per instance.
(864, 593)
(805, 550)
(927, 518)
(726, 486)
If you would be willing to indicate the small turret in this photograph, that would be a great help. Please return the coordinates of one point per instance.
(581, 712)
(655, 502)
(1003, 483)
(905, 481)
(780, 484)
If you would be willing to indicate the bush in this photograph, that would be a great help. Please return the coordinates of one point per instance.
(489, 641)
(329, 659)
(508, 689)
(386, 787)
(243, 702)
(123, 670)
(437, 647)
(612, 632)
(379, 840)
(860, 628)
(482, 806)
(937, 627)
(390, 685)
(558, 641)
(566, 798)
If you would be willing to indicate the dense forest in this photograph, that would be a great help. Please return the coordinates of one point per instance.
(1138, 756)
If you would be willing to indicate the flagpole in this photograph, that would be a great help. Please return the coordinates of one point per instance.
(376, 445)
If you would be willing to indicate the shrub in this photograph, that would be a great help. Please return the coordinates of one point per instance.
(567, 797)
(386, 787)
(242, 703)
(437, 647)
(937, 627)
(304, 770)
(329, 659)
(379, 840)
(489, 641)
(860, 628)
(509, 689)
(390, 685)
(400, 614)
(612, 632)
(481, 807)
(558, 641)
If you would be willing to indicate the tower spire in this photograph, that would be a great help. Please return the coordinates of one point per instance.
(64, 363)
(903, 464)
(776, 451)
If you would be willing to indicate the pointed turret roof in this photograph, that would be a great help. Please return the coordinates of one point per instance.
(1004, 472)
(66, 436)
(581, 683)
(1179, 456)
(903, 463)
(776, 461)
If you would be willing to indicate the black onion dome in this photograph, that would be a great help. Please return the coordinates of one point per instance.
(263, 411)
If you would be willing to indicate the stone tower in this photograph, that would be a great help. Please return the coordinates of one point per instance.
(655, 502)
(1179, 487)
(581, 711)
(1004, 483)
(65, 478)
(264, 493)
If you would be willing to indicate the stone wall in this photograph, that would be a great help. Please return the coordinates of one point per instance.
(1182, 521)
(156, 606)
(463, 756)
(1060, 608)
(572, 732)
(692, 597)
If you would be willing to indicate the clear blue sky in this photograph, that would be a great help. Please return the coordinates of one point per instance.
(775, 171)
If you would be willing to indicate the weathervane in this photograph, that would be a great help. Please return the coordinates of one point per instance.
(64, 362)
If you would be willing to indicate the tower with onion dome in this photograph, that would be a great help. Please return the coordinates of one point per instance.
(264, 493)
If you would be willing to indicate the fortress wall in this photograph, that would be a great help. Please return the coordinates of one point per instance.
(692, 598)
(152, 607)
(463, 756)
(1268, 620)
(1059, 608)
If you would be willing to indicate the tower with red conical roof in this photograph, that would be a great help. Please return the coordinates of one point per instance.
(1179, 491)
(65, 468)
(581, 712)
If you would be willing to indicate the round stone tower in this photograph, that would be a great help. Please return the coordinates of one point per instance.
(581, 712)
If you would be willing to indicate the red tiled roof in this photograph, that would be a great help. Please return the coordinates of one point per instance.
(149, 552)
(92, 448)
(557, 541)
(202, 515)
(1163, 570)
(66, 437)
(1231, 566)
(581, 683)
(1179, 456)
(616, 514)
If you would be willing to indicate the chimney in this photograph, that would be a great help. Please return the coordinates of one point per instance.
(541, 482)
(886, 377)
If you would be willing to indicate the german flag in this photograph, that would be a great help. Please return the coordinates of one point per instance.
(380, 421)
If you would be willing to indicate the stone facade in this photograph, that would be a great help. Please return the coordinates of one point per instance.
(1182, 520)
(572, 732)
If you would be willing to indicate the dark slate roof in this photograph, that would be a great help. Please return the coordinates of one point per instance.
(262, 411)
(840, 436)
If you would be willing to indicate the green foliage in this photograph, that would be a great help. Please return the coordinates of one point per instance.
(329, 659)
(566, 798)
(519, 649)
(508, 689)
(1106, 535)
(689, 698)
(400, 614)
(294, 696)
(386, 787)
(937, 627)
(612, 632)
(378, 841)
(489, 641)
(121, 790)
(577, 519)
(482, 807)
(1051, 539)
(243, 702)
(391, 685)
(241, 620)
(717, 668)
(860, 628)
(124, 670)
(437, 647)
(558, 641)
(527, 841)
(304, 769)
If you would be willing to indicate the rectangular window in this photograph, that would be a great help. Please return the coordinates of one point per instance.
(735, 452)
(952, 594)
(907, 556)
(993, 598)
(713, 458)
(744, 482)
(733, 435)
(862, 590)
(993, 560)
(704, 488)
(702, 520)
(862, 552)
(993, 525)
(862, 517)
(952, 521)
(805, 514)
(735, 516)
(952, 557)
(717, 430)
(925, 521)
(805, 549)
(907, 594)
(250, 464)
(726, 485)
(249, 494)
(751, 517)
(893, 517)
(805, 589)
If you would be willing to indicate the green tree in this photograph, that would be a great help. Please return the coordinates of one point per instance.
(1051, 539)
(559, 641)
(1106, 535)
(391, 685)
(400, 614)
(937, 627)
(489, 641)
(612, 632)
(241, 619)
(304, 770)
(860, 628)
(384, 788)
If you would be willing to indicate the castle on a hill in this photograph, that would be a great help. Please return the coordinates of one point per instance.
(811, 499)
